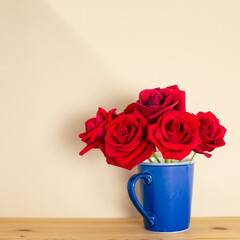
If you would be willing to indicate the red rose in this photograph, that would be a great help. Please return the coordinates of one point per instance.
(95, 132)
(175, 134)
(126, 142)
(210, 132)
(153, 103)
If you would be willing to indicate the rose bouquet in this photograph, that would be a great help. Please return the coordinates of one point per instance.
(157, 121)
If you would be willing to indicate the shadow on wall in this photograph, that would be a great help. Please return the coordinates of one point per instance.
(59, 73)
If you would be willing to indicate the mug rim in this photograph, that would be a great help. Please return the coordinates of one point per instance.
(156, 164)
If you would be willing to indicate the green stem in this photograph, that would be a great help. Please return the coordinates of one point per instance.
(166, 160)
(154, 154)
(150, 160)
(192, 158)
(171, 161)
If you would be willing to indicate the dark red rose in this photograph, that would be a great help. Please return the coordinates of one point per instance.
(175, 134)
(153, 103)
(210, 132)
(126, 142)
(95, 132)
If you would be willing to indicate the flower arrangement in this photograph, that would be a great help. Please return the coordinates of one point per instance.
(157, 121)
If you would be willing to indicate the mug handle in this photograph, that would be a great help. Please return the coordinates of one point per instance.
(131, 192)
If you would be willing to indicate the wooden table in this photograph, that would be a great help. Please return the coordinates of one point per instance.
(112, 229)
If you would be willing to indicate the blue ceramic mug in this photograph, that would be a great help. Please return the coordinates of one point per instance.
(166, 191)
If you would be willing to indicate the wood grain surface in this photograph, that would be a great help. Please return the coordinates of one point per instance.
(113, 229)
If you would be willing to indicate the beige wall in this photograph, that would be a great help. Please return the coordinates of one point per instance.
(60, 60)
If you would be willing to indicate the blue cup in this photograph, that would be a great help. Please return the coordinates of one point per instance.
(166, 191)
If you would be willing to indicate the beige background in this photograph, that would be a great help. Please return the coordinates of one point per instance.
(60, 60)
